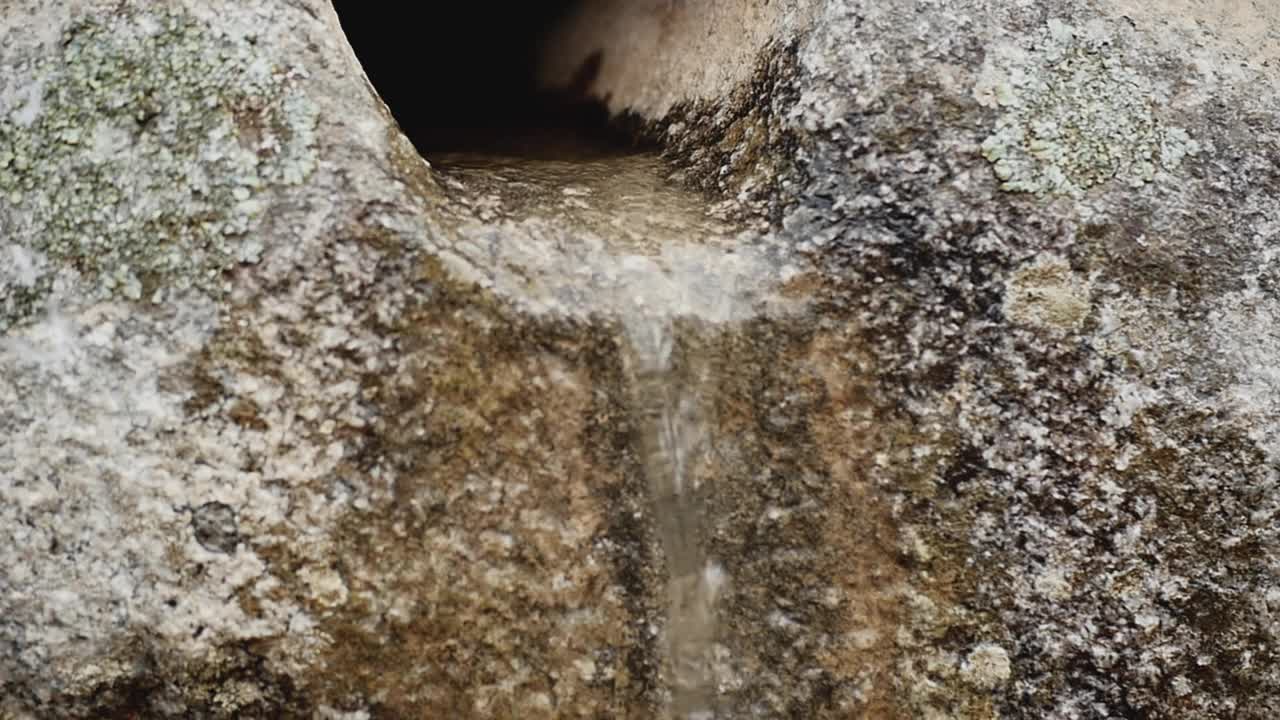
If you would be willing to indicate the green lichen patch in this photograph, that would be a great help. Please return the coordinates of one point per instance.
(1076, 114)
(142, 160)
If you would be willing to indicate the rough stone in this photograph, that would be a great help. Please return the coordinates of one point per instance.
(295, 424)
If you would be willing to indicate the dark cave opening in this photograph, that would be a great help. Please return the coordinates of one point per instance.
(463, 78)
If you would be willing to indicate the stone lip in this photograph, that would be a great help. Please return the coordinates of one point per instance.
(612, 237)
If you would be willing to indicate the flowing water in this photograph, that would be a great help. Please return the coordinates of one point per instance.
(609, 236)
(672, 433)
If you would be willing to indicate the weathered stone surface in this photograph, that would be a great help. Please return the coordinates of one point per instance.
(978, 320)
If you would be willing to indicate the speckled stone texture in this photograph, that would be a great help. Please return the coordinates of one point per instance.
(275, 442)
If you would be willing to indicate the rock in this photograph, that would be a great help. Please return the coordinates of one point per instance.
(930, 373)
(215, 527)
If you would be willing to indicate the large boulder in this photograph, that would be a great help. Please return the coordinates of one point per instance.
(931, 371)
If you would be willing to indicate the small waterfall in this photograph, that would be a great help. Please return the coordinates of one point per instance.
(671, 436)
(612, 237)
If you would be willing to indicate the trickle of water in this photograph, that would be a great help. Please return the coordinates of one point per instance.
(671, 434)
(610, 236)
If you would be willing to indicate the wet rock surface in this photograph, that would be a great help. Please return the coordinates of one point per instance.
(967, 314)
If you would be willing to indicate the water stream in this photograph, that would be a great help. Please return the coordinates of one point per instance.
(609, 236)
(672, 433)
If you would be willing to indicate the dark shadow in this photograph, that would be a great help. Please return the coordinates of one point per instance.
(461, 76)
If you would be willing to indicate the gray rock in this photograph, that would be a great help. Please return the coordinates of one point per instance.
(931, 373)
(215, 527)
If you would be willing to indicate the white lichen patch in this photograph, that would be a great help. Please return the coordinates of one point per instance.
(140, 157)
(96, 500)
(987, 666)
(326, 585)
(1048, 294)
(1076, 111)
(125, 514)
(1244, 330)
(19, 267)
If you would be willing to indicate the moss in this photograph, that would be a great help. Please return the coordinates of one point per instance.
(142, 163)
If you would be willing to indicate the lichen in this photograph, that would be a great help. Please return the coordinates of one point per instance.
(1076, 113)
(139, 164)
(1047, 294)
(987, 666)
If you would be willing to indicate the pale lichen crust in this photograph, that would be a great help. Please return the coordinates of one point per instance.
(1076, 113)
(135, 162)
(1047, 294)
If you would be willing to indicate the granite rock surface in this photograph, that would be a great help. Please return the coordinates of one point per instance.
(971, 305)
